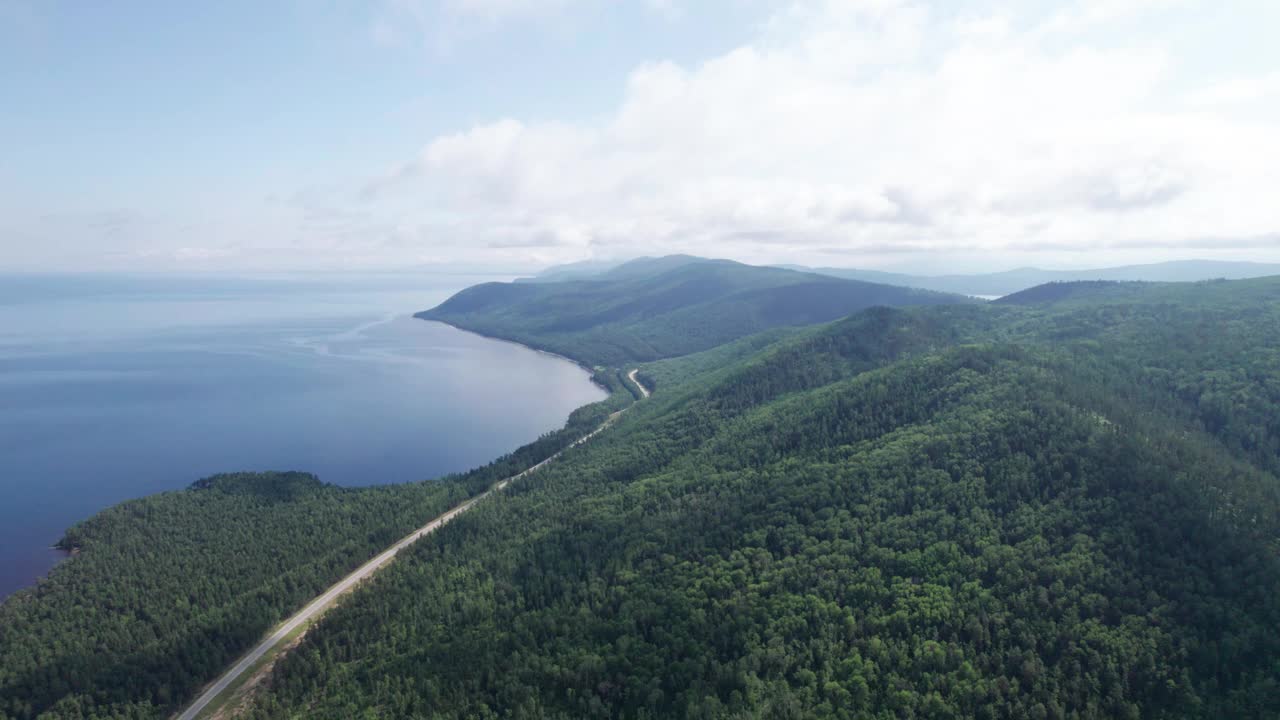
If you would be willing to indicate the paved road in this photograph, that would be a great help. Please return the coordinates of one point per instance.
(632, 377)
(319, 605)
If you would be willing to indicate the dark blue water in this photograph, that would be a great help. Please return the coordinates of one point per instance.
(115, 388)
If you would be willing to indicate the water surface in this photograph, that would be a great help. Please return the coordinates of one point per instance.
(114, 388)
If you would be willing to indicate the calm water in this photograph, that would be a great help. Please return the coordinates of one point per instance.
(113, 388)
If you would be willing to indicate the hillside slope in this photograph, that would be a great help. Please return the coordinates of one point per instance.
(1022, 511)
(663, 307)
(165, 592)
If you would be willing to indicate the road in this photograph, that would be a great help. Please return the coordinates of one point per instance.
(317, 607)
(632, 377)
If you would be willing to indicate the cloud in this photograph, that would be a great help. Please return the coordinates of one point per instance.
(869, 124)
(835, 128)
(1086, 14)
(1238, 90)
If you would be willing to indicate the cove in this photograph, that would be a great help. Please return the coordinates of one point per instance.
(116, 389)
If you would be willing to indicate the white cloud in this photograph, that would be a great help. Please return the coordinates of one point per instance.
(869, 125)
(1239, 90)
(1085, 14)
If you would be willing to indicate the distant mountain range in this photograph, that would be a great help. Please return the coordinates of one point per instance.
(1011, 281)
(987, 284)
(571, 271)
(662, 307)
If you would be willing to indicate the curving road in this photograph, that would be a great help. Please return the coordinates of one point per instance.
(632, 377)
(317, 607)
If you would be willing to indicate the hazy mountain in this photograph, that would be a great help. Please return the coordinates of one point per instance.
(1011, 281)
(661, 307)
(571, 271)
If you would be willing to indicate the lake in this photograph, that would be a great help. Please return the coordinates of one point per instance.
(116, 387)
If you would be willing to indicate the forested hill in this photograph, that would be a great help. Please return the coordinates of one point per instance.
(165, 592)
(1249, 296)
(1061, 509)
(1063, 505)
(1012, 281)
(663, 307)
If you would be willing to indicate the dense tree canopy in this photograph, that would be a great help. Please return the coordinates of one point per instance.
(1054, 510)
(163, 593)
(1063, 505)
(664, 307)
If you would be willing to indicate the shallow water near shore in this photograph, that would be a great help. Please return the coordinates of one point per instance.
(114, 390)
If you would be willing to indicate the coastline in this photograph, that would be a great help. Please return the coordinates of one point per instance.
(261, 658)
(58, 553)
(591, 371)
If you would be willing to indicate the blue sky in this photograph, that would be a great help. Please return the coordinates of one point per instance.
(159, 93)
(516, 133)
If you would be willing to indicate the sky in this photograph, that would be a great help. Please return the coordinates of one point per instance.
(964, 135)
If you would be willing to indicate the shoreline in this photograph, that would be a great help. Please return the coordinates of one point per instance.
(62, 554)
(591, 371)
(297, 624)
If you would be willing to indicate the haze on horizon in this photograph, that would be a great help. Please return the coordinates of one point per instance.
(894, 134)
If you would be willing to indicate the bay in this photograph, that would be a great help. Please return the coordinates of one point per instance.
(116, 387)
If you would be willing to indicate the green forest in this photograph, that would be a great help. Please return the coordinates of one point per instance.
(163, 593)
(663, 307)
(1064, 504)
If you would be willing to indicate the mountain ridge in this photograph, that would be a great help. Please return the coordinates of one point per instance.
(1063, 509)
(1010, 281)
(1061, 505)
(661, 307)
(976, 284)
